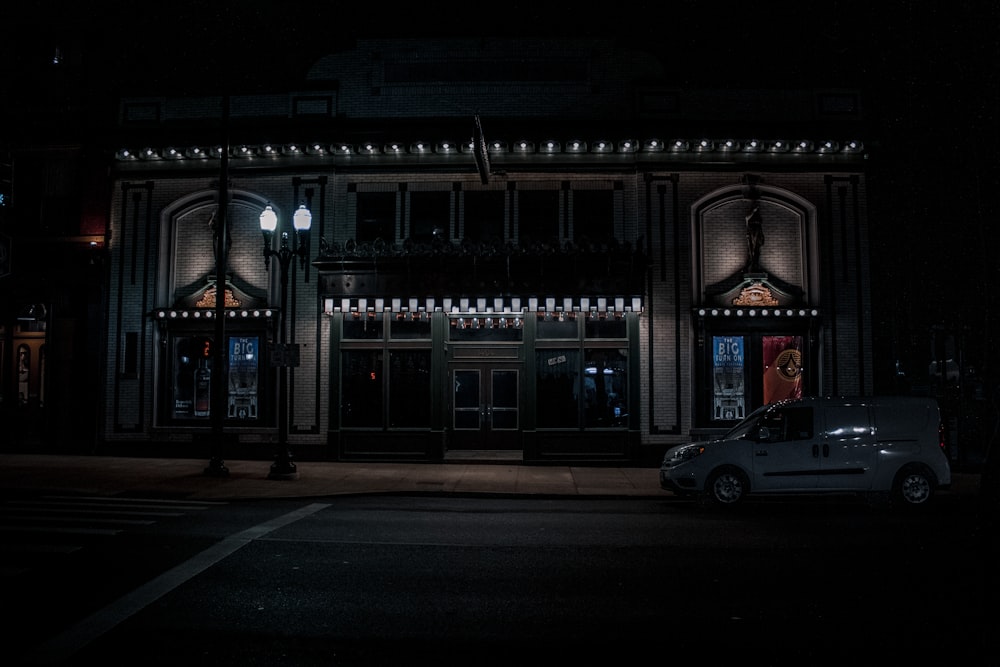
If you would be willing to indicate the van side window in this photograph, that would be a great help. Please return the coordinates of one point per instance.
(800, 424)
(789, 424)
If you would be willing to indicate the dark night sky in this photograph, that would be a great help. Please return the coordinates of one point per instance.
(929, 70)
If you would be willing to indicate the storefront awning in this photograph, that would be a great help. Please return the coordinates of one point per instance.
(482, 304)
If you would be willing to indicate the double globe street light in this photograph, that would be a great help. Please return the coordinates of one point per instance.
(284, 355)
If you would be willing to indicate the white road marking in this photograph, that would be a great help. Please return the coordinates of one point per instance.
(62, 646)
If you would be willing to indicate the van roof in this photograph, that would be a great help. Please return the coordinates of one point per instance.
(887, 401)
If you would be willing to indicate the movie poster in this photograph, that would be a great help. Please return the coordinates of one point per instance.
(243, 363)
(192, 397)
(782, 367)
(729, 395)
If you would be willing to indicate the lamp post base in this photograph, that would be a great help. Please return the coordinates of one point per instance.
(283, 468)
(217, 468)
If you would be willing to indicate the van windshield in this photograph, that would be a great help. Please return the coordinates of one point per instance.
(748, 425)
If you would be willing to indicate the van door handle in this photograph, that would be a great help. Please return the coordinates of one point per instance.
(826, 451)
(815, 451)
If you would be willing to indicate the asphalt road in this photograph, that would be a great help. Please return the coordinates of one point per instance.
(415, 580)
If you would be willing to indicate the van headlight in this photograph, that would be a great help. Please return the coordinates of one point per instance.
(684, 454)
(690, 452)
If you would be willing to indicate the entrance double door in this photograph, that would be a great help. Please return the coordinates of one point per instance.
(485, 406)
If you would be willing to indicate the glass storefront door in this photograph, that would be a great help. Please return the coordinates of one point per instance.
(485, 407)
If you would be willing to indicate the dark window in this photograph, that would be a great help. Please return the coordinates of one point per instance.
(189, 385)
(366, 326)
(48, 191)
(242, 397)
(486, 329)
(789, 424)
(593, 216)
(193, 366)
(800, 424)
(557, 326)
(409, 388)
(538, 217)
(459, 69)
(558, 388)
(361, 399)
(430, 214)
(376, 217)
(611, 327)
(605, 381)
(403, 328)
(484, 216)
(23, 374)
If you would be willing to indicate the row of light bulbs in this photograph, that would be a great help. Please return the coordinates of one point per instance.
(753, 312)
(626, 146)
(165, 314)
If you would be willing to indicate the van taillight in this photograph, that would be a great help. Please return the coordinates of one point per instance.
(941, 437)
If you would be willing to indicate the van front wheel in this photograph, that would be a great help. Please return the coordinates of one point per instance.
(913, 487)
(727, 486)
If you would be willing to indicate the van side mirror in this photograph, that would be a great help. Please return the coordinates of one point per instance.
(763, 434)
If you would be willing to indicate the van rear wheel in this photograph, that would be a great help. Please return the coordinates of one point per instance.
(727, 486)
(913, 487)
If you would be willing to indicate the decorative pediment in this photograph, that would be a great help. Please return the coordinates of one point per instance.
(204, 294)
(209, 299)
(756, 290)
(756, 294)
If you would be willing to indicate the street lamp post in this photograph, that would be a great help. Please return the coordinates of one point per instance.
(285, 355)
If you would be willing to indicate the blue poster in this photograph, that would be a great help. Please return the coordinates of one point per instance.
(244, 359)
(728, 392)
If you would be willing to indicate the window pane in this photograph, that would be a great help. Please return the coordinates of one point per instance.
(486, 329)
(782, 367)
(612, 327)
(366, 326)
(504, 399)
(376, 217)
(23, 374)
(538, 217)
(465, 400)
(728, 379)
(409, 388)
(244, 361)
(361, 384)
(484, 216)
(192, 375)
(409, 329)
(789, 424)
(429, 211)
(593, 216)
(605, 381)
(556, 328)
(558, 388)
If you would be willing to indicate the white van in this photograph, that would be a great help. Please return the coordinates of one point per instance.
(870, 445)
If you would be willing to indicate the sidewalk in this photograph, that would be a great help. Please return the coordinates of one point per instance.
(186, 478)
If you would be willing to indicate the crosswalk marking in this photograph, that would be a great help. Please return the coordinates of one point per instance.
(36, 532)
(82, 519)
(59, 530)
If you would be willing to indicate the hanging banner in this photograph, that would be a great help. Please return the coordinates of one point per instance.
(728, 392)
(782, 367)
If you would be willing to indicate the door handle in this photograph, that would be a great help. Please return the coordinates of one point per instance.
(815, 451)
(826, 451)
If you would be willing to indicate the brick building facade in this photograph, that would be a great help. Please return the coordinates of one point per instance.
(626, 266)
